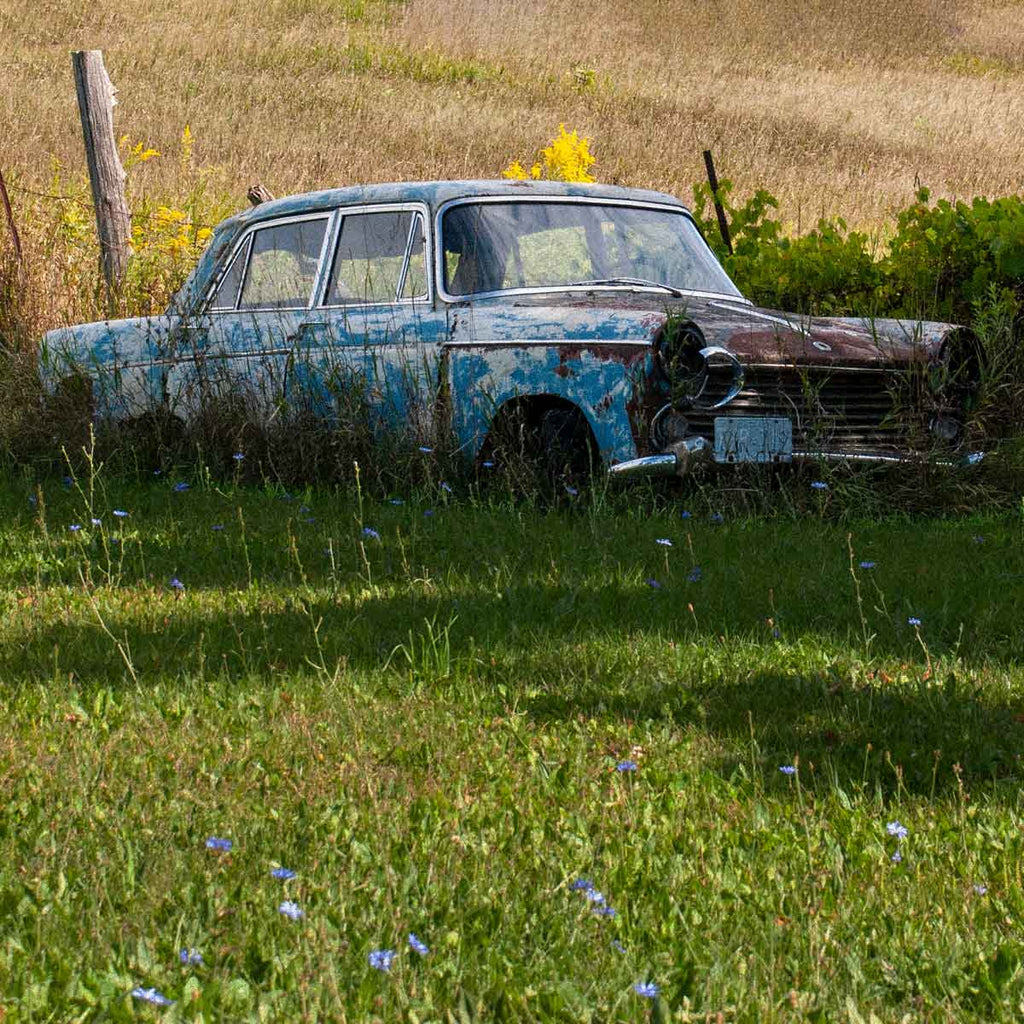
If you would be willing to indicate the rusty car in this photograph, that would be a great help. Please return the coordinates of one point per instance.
(595, 317)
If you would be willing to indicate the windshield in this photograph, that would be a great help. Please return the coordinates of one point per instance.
(490, 247)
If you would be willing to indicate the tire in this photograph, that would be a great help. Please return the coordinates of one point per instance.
(546, 450)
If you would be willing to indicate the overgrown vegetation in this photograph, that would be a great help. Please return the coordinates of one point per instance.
(746, 753)
(444, 712)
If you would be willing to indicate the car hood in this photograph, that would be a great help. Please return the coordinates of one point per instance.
(754, 334)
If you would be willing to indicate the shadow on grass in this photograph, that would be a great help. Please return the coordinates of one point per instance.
(614, 651)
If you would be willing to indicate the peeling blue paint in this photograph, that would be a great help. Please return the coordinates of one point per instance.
(592, 348)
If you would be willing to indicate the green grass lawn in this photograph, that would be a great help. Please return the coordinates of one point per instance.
(429, 710)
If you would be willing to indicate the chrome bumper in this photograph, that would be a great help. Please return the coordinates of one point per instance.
(679, 458)
(675, 462)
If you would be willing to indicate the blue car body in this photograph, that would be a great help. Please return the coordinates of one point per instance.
(429, 354)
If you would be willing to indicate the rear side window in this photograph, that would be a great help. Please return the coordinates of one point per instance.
(282, 266)
(379, 258)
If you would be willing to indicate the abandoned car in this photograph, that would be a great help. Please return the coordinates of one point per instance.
(595, 316)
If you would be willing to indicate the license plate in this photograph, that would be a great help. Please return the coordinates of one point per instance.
(753, 439)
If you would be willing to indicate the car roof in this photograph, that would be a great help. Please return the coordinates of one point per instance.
(434, 193)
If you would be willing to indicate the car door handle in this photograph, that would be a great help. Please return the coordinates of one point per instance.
(299, 331)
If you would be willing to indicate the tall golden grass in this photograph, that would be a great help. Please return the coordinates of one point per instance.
(838, 108)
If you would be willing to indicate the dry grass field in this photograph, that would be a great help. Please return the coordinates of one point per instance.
(837, 108)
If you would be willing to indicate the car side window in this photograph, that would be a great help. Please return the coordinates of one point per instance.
(227, 291)
(283, 265)
(379, 258)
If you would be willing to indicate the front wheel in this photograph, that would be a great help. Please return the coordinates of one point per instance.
(548, 449)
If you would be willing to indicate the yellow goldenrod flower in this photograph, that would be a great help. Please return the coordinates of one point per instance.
(514, 171)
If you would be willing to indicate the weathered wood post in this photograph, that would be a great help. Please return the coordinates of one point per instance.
(258, 194)
(9, 213)
(106, 175)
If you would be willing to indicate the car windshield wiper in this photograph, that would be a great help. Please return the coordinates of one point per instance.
(640, 281)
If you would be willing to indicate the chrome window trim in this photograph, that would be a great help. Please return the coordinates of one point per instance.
(548, 289)
(347, 211)
(250, 231)
(238, 254)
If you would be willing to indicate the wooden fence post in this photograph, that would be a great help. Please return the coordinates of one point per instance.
(106, 175)
(723, 224)
(9, 213)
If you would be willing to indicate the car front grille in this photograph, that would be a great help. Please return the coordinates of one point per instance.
(831, 408)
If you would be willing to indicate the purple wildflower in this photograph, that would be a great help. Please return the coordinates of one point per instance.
(381, 959)
(151, 995)
(290, 909)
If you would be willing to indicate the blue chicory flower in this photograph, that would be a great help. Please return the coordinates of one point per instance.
(425, 449)
(120, 513)
(582, 884)
(571, 491)
(685, 515)
(151, 995)
(190, 957)
(695, 575)
(867, 565)
(176, 584)
(428, 512)
(974, 458)
(618, 946)
(381, 959)
(717, 518)
(446, 487)
(238, 456)
(605, 911)
(290, 909)
(369, 531)
(417, 945)
(819, 485)
(96, 522)
(284, 874)
(181, 486)
(217, 527)
(787, 769)
(897, 829)
(979, 890)
(488, 464)
(647, 989)
(913, 621)
(594, 896)
(215, 843)
(626, 766)
(897, 857)
(75, 527)
(397, 501)
(664, 542)
(653, 584)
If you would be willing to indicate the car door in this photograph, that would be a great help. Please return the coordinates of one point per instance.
(238, 350)
(368, 351)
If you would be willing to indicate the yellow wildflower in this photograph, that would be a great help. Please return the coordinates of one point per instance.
(566, 159)
(514, 171)
(186, 148)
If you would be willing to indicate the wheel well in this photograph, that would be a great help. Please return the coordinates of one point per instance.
(550, 433)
